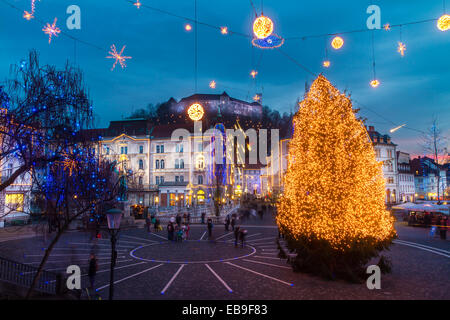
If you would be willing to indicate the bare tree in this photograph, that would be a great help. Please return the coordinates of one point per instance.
(434, 144)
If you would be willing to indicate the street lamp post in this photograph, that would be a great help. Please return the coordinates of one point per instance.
(114, 217)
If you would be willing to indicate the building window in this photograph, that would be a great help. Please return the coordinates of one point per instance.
(141, 165)
(161, 179)
(181, 164)
(140, 181)
(377, 153)
(181, 178)
(177, 164)
(157, 149)
(14, 201)
(177, 179)
(200, 179)
(141, 149)
(181, 148)
(157, 180)
(123, 150)
(107, 150)
(162, 164)
(162, 148)
(157, 164)
(200, 147)
(10, 168)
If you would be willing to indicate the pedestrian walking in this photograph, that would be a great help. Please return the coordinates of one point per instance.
(170, 231)
(148, 224)
(236, 236)
(188, 218)
(242, 234)
(443, 225)
(233, 223)
(92, 272)
(186, 231)
(203, 217)
(178, 219)
(227, 223)
(210, 227)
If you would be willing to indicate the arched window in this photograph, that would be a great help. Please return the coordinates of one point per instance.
(181, 164)
(141, 164)
(162, 164)
(157, 149)
(177, 164)
(157, 164)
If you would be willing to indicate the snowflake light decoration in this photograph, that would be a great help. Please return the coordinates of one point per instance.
(401, 48)
(253, 73)
(117, 56)
(51, 30)
(387, 27)
(137, 4)
(30, 15)
(212, 84)
(374, 83)
(224, 30)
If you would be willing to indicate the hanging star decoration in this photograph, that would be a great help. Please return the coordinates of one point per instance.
(401, 48)
(212, 84)
(30, 15)
(256, 97)
(224, 30)
(117, 56)
(374, 83)
(137, 4)
(51, 30)
(253, 73)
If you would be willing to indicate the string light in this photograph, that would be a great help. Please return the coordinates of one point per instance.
(188, 27)
(224, 30)
(117, 56)
(212, 84)
(387, 27)
(401, 48)
(326, 64)
(51, 30)
(262, 27)
(443, 23)
(321, 201)
(337, 43)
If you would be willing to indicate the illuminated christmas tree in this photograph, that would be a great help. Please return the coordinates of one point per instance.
(332, 212)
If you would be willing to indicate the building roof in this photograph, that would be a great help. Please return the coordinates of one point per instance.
(378, 138)
(207, 96)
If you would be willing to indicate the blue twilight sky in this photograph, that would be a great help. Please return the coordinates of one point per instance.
(413, 89)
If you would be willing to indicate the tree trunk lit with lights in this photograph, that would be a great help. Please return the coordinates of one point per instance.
(332, 211)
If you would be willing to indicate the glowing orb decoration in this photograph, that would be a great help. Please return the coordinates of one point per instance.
(337, 43)
(224, 30)
(51, 30)
(188, 27)
(117, 56)
(271, 42)
(212, 84)
(387, 27)
(196, 112)
(253, 73)
(374, 83)
(443, 23)
(326, 63)
(401, 48)
(262, 27)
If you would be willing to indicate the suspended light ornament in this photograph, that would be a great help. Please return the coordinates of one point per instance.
(256, 97)
(326, 63)
(253, 73)
(443, 23)
(188, 27)
(223, 30)
(401, 48)
(374, 83)
(51, 30)
(271, 42)
(117, 56)
(212, 84)
(337, 43)
(27, 15)
(137, 4)
(196, 112)
(387, 27)
(262, 27)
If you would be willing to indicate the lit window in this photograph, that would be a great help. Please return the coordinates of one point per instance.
(141, 149)
(162, 164)
(14, 201)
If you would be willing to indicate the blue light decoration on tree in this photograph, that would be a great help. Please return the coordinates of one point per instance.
(271, 42)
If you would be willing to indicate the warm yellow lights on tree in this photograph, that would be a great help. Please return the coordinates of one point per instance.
(332, 209)
(262, 27)
(443, 23)
(196, 112)
(337, 43)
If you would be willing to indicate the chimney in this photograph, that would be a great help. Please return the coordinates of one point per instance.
(371, 128)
